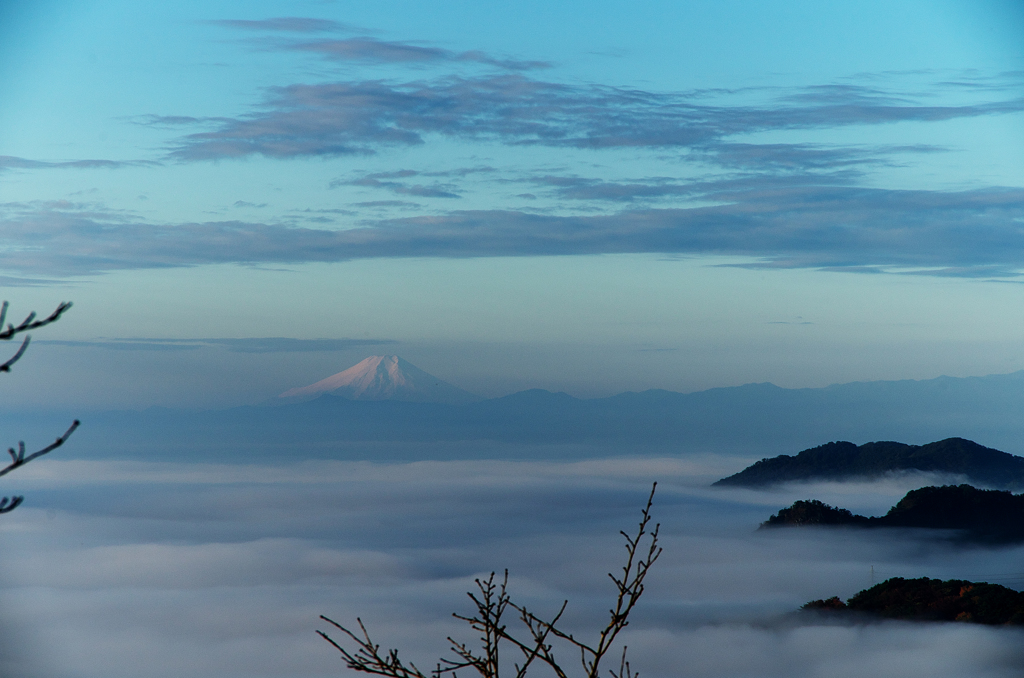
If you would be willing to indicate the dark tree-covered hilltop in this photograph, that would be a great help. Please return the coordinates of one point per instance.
(933, 600)
(978, 515)
(844, 461)
(814, 512)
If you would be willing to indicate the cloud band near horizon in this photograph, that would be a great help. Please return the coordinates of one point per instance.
(968, 234)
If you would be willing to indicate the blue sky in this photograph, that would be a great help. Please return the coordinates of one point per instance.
(509, 195)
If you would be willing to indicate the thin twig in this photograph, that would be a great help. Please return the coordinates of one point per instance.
(624, 670)
(492, 600)
(30, 322)
(19, 459)
(629, 588)
(368, 658)
(6, 367)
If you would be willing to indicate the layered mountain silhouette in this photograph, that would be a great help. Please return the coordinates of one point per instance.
(382, 377)
(845, 461)
(977, 515)
(927, 599)
(754, 420)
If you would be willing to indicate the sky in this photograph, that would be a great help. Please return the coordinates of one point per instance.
(509, 195)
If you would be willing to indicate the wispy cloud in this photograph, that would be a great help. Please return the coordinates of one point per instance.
(808, 157)
(284, 24)
(591, 189)
(363, 48)
(969, 233)
(403, 204)
(235, 345)
(387, 181)
(172, 121)
(381, 51)
(9, 162)
(358, 117)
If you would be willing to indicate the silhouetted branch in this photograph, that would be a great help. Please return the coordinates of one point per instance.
(368, 658)
(19, 459)
(624, 670)
(539, 648)
(629, 589)
(490, 606)
(492, 600)
(29, 323)
(6, 367)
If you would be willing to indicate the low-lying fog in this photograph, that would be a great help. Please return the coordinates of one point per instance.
(119, 569)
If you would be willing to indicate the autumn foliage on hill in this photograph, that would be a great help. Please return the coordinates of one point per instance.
(927, 599)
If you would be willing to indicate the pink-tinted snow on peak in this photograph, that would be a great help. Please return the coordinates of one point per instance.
(382, 377)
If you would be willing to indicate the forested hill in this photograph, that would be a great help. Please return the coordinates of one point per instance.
(933, 600)
(843, 461)
(977, 515)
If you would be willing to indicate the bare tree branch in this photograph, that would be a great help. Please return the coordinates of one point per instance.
(630, 587)
(6, 367)
(490, 606)
(19, 459)
(492, 600)
(367, 657)
(624, 669)
(8, 504)
(30, 322)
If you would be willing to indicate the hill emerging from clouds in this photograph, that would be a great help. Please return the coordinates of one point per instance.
(931, 600)
(995, 516)
(846, 461)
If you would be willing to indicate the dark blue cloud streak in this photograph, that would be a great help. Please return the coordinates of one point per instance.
(969, 233)
(358, 117)
(235, 345)
(9, 162)
(285, 24)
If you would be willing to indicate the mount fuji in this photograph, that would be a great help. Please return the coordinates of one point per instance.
(382, 377)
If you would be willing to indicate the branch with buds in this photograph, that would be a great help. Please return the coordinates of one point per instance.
(29, 323)
(18, 457)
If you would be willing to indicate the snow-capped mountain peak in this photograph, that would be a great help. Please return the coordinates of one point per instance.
(382, 377)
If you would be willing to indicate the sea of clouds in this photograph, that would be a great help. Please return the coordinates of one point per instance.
(124, 569)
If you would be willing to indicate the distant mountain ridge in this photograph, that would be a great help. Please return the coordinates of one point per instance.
(979, 515)
(754, 420)
(844, 461)
(382, 377)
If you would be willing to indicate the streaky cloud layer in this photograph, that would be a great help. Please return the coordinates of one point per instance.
(974, 233)
(358, 117)
(234, 344)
